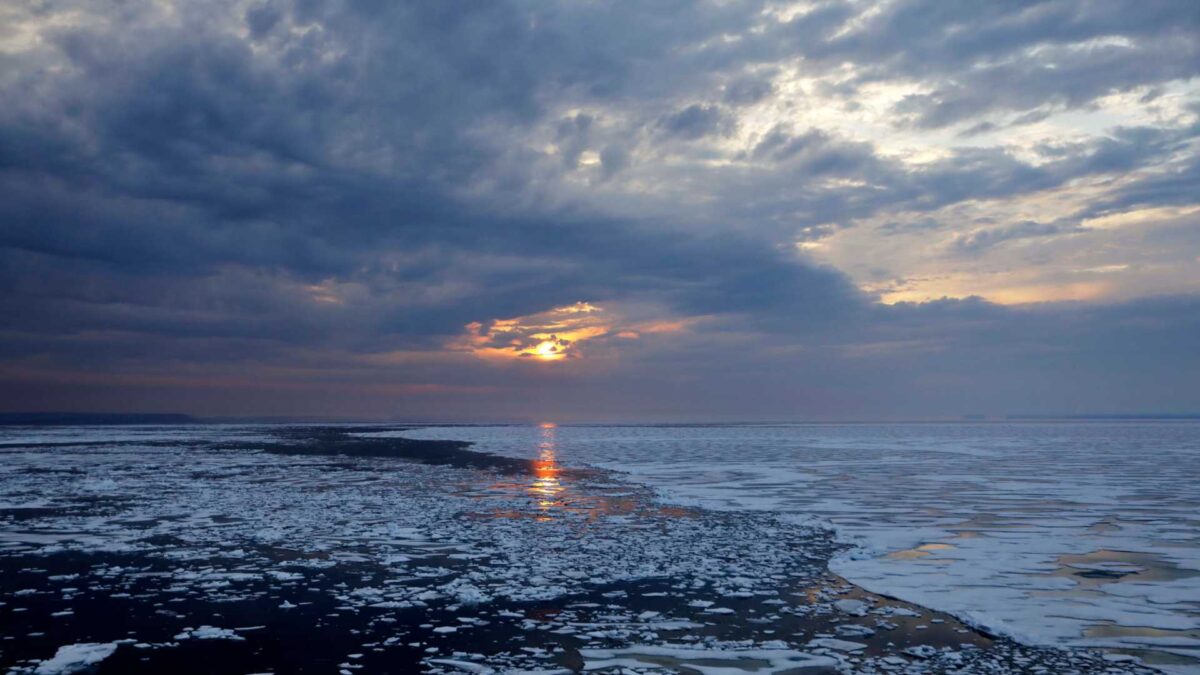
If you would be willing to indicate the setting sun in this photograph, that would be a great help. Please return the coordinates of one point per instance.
(548, 350)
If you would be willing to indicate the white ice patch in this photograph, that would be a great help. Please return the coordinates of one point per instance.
(708, 661)
(209, 633)
(463, 666)
(837, 645)
(74, 658)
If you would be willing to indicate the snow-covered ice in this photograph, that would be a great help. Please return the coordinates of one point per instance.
(206, 535)
(1080, 534)
(709, 661)
(74, 658)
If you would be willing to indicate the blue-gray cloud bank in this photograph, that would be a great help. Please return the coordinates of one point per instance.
(542, 210)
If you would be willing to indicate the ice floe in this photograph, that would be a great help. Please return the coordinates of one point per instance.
(429, 562)
(986, 521)
(74, 658)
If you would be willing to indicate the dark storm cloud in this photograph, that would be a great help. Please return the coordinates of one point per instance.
(792, 163)
(300, 183)
(696, 121)
(1060, 357)
(185, 153)
(1015, 57)
(745, 90)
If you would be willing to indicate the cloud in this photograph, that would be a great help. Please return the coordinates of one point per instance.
(979, 240)
(747, 90)
(696, 121)
(1057, 53)
(304, 188)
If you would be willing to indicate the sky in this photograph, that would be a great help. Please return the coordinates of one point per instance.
(600, 211)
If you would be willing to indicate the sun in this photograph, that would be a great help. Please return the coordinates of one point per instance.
(548, 350)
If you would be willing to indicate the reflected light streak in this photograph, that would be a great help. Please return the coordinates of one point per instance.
(552, 491)
(546, 485)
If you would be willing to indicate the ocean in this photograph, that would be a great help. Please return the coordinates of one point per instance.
(863, 548)
(1055, 533)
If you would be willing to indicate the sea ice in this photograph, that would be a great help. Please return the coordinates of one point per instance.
(77, 657)
(984, 521)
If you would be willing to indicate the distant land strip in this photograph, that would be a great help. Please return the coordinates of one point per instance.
(90, 419)
(1112, 416)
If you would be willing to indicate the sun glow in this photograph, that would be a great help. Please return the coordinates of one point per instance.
(553, 335)
(549, 350)
(564, 334)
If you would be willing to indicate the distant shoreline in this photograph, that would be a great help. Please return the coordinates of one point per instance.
(51, 419)
(93, 419)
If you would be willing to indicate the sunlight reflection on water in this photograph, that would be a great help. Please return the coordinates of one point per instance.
(556, 492)
(546, 486)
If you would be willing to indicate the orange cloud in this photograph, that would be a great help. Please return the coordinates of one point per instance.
(555, 335)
